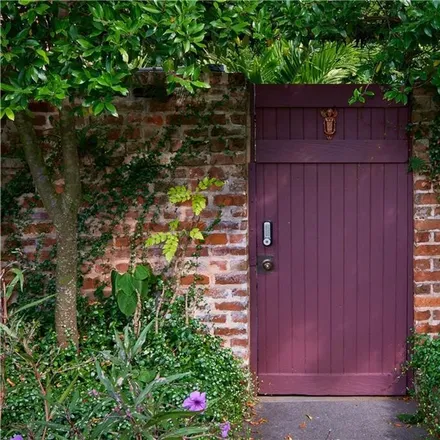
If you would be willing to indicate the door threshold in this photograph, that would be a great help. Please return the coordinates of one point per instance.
(264, 399)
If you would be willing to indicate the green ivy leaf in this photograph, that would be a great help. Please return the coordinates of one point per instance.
(174, 225)
(170, 247)
(196, 234)
(179, 194)
(198, 203)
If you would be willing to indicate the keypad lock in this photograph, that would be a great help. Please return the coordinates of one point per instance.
(267, 233)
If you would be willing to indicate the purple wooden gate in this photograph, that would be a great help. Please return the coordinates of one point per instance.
(332, 315)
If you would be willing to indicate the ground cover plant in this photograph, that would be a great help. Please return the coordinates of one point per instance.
(425, 363)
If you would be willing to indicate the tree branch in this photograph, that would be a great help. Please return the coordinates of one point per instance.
(35, 160)
(69, 145)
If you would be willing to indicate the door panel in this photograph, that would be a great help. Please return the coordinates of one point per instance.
(331, 316)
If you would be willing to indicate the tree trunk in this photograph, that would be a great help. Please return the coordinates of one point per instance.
(63, 210)
(66, 280)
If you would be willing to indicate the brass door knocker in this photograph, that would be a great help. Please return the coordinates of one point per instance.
(329, 122)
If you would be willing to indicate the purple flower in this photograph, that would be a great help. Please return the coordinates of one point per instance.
(93, 393)
(195, 402)
(224, 428)
(16, 437)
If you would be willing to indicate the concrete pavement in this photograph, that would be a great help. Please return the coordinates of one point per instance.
(330, 418)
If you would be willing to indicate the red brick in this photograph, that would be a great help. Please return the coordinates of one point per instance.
(48, 241)
(422, 237)
(163, 106)
(39, 228)
(426, 225)
(122, 242)
(122, 267)
(220, 252)
(237, 144)
(239, 342)
(217, 319)
(132, 133)
(427, 199)
(436, 315)
(434, 328)
(112, 120)
(237, 238)
(154, 120)
(191, 251)
(423, 315)
(197, 279)
(229, 200)
(177, 119)
(238, 118)
(231, 306)
(216, 239)
(90, 283)
(427, 250)
(423, 185)
(229, 331)
(437, 236)
(219, 119)
(420, 265)
(114, 134)
(231, 279)
(220, 265)
(422, 289)
(39, 119)
(427, 301)
(422, 328)
(217, 145)
(239, 317)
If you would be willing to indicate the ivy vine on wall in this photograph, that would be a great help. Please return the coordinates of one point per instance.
(115, 182)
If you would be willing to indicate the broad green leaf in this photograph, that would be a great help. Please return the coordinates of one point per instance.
(125, 283)
(43, 55)
(201, 84)
(111, 108)
(9, 113)
(142, 272)
(7, 88)
(127, 302)
(98, 108)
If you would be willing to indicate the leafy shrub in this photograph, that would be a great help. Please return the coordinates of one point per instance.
(132, 401)
(177, 347)
(425, 361)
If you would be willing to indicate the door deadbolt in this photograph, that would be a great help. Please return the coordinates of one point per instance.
(267, 265)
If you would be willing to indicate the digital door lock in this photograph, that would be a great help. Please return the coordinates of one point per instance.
(267, 233)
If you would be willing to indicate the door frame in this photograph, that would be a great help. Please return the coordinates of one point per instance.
(252, 193)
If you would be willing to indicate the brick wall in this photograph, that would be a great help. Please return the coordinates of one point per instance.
(426, 230)
(223, 265)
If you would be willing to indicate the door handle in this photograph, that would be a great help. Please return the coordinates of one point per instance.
(267, 264)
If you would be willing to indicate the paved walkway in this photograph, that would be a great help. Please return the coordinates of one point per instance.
(323, 418)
